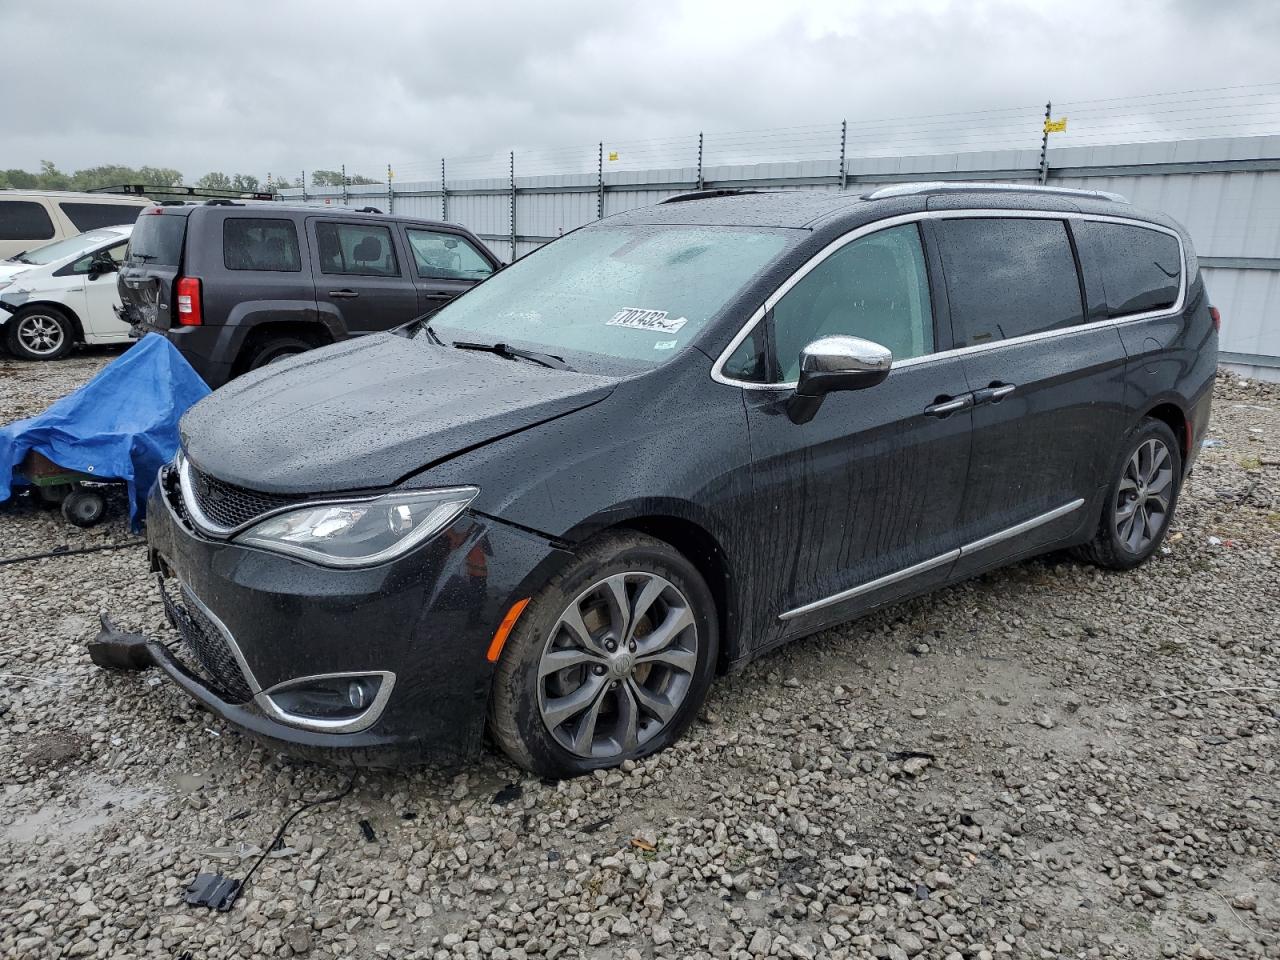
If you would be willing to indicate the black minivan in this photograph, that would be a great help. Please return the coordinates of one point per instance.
(237, 286)
(666, 443)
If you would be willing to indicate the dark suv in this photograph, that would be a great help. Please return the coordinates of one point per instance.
(666, 443)
(236, 286)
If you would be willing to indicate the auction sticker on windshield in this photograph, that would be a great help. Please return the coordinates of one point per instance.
(638, 319)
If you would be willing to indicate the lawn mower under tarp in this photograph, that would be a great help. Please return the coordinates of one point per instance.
(118, 428)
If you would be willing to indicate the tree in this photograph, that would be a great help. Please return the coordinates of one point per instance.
(214, 181)
(110, 175)
(333, 178)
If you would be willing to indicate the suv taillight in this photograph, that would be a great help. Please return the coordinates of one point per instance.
(1216, 317)
(190, 312)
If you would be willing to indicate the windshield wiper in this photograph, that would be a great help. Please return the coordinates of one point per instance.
(435, 337)
(144, 257)
(515, 353)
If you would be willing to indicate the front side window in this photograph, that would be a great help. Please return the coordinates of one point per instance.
(24, 220)
(1141, 269)
(445, 256)
(876, 288)
(1008, 277)
(361, 249)
(634, 294)
(259, 243)
(85, 263)
(93, 216)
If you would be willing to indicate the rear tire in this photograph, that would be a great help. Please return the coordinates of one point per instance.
(582, 685)
(277, 348)
(40, 333)
(1140, 501)
(83, 508)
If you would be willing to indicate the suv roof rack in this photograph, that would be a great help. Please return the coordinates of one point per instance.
(180, 190)
(704, 194)
(944, 186)
(221, 202)
(368, 210)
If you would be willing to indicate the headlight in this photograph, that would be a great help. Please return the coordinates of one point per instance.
(360, 533)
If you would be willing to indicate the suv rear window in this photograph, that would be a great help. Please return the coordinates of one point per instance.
(259, 243)
(1141, 269)
(157, 238)
(363, 249)
(1008, 277)
(92, 216)
(24, 220)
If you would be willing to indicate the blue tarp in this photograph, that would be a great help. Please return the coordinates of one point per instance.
(121, 425)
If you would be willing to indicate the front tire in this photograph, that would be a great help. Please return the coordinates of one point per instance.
(40, 333)
(1140, 502)
(609, 662)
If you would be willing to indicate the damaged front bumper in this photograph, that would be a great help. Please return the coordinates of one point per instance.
(406, 639)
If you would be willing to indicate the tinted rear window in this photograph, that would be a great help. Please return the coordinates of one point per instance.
(24, 220)
(1141, 269)
(157, 238)
(1009, 277)
(91, 216)
(259, 243)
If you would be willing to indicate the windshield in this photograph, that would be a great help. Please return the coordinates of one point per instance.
(157, 238)
(70, 247)
(637, 294)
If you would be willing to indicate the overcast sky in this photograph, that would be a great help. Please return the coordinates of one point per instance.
(284, 86)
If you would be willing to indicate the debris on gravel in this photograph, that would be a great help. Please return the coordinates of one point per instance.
(1048, 761)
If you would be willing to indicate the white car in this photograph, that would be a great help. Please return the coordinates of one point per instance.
(63, 293)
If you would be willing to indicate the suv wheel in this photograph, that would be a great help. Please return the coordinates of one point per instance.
(278, 348)
(609, 662)
(40, 333)
(1141, 501)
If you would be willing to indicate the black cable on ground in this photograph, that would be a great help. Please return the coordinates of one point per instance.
(71, 553)
(283, 827)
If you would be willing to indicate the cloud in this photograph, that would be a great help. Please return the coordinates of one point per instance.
(285, 86)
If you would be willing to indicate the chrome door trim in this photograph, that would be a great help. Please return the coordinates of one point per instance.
(908, 572)
(717, 369)
(885, 581)
(1019, 528)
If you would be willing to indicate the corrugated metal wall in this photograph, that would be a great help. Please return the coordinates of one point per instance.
(1226, 192)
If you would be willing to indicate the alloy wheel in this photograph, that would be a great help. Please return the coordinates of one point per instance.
(40, 334)
(617, 665)
(1144, 495)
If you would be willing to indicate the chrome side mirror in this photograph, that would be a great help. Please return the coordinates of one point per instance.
(833, 364)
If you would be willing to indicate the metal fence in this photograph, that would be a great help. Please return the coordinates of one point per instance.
(1226, 190)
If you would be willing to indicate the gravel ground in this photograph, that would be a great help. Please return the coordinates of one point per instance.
(1050, 761)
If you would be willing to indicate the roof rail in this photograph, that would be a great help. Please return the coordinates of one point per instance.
(705, 194)
(222, 202)
(368, 210)
(945, 186)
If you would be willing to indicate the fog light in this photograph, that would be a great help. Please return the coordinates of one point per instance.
(358, 694)
(328, 700)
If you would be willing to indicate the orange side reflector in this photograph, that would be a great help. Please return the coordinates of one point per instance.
(504, 629)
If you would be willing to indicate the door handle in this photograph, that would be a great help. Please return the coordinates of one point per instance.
(994, 393)
(946, 407)
(344, 294)
(438, 296)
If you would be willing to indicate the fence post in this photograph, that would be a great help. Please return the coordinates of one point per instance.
(304, 186)
(391, 200)
(600, 183)
(844, 174)
(513, 206)
(444, 194)
(1044, 144)
(344, 184)
(700, 180)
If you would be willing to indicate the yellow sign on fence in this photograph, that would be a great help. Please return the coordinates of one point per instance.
(613, 155)
(1056, 126)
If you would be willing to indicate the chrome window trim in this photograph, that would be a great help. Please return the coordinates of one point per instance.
(354, 724)
(943, 558)
(717, 369)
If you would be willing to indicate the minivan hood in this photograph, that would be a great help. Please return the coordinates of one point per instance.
(369, 412)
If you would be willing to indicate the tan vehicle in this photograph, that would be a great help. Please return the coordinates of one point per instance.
(32, 218)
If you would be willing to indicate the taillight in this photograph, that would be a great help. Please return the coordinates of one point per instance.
(190, 310)
(1216, 317)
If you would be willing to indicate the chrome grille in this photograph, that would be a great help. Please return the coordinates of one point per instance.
(206, 644)
(230, 506)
